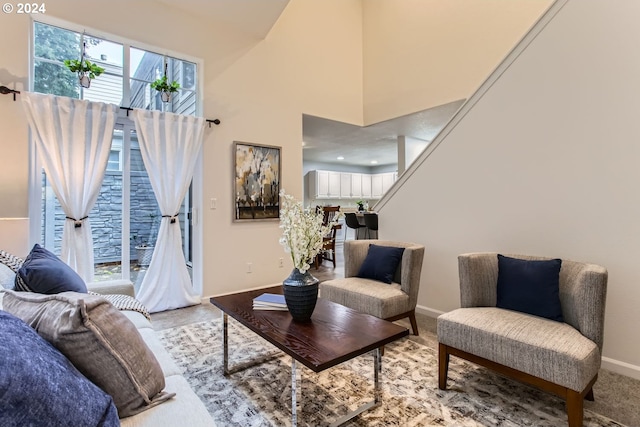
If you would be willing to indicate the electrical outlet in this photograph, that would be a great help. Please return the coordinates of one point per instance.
(249, 267)
(281, 263)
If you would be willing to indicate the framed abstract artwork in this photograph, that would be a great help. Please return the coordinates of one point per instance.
(257, 182)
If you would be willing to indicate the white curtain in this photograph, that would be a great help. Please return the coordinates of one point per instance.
(73, 139)
(170, 145)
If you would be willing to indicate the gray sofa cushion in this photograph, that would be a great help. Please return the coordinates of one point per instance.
(547, 349)
(100, 341)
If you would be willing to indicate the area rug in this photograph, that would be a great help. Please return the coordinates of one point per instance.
(260, 396)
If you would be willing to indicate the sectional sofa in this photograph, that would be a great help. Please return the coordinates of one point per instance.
(178, 404)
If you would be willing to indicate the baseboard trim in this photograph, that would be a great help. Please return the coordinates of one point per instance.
(428, 311)
(622, 368)
(613, 365)
(206, 298)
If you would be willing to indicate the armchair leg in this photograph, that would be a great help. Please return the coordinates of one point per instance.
(443, 366)
(414, 324)
(589, 396)
(575, 408)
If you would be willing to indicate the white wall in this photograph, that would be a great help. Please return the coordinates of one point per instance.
(546, 163)
(420, 54)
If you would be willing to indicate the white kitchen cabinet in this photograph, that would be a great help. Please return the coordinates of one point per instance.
(365, 186)
(334, 185)
(381, 183)
(324, 184)
(345, 185)
(356, 185)
(387, 181)
(376, 186)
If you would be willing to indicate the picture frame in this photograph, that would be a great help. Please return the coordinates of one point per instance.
(256, 187)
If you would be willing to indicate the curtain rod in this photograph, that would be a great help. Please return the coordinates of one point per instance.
(5, 91)
(214, 121)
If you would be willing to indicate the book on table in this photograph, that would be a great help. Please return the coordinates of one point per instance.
(269, 302)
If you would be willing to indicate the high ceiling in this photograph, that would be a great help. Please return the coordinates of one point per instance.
(325, 140)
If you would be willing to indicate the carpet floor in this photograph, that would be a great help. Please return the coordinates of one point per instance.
(260, 396)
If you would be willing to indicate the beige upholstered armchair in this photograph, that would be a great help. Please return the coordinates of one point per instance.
(390, 301)
(562, 357)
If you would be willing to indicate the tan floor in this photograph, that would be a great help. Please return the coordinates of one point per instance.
(616, 396)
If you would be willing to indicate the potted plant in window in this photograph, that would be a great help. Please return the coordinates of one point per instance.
(165, 88)
(86, 70)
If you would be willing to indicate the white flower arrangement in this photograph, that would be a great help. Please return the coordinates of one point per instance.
(302, 231)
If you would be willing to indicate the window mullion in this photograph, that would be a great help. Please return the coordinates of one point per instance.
(126, 74)
(126, 203)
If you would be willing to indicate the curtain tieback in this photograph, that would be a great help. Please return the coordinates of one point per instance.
(77, 223)
(171, 217)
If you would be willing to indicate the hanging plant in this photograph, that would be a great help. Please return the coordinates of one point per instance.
(165, 88)
(86, 69)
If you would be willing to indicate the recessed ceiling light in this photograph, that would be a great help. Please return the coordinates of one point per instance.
(374, 162)
(340, 158)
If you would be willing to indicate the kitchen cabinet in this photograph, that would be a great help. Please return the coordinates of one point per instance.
(365, 185)
(381, 183)
(324, 184)
(387, 181)
(356, 185)
(347, 185)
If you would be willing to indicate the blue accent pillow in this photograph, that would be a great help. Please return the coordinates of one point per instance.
(381, 263)
(39, 386)
(531, 287)
(44, 273)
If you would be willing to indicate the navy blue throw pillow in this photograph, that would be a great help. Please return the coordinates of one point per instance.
(381, 263)
(39, 386)
(44, 273)
(531, 287)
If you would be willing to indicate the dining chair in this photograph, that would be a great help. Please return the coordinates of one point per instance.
(328, 251)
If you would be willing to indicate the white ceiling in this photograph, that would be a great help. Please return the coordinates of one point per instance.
(324, 140)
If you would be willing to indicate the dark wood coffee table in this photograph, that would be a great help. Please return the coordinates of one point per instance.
(334, 335)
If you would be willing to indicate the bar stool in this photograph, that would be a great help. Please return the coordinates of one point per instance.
(371, 222)
(351, 220)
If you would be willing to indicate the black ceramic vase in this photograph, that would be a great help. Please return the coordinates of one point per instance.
(300, 294)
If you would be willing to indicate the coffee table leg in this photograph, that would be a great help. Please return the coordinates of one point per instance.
(377, 393)
(296, 393)
(377, 367)
(225, 343)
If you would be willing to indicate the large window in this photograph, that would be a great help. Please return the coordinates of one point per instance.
(126, 216)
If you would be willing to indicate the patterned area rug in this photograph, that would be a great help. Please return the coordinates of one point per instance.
(261, 395)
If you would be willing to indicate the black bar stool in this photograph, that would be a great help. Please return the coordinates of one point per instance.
(351, 220)
(371, 222)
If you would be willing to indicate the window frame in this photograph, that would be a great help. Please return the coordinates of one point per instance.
(35, 165)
